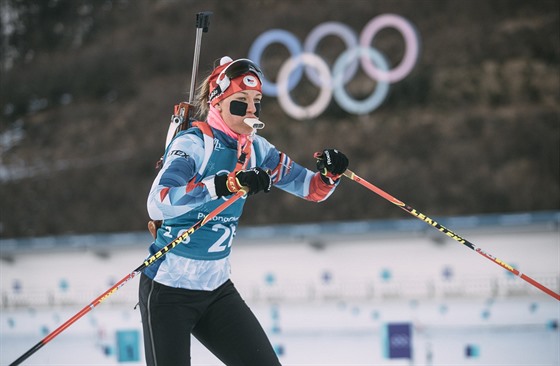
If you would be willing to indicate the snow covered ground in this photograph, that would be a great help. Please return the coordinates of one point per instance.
(322, 301)
(517, 332)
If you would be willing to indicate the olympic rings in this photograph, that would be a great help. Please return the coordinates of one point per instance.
(358, 52)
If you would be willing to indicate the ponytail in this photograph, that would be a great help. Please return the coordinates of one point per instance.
(201, 101)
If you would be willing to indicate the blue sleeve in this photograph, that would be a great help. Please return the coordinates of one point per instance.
(291, 177)
(174, 190)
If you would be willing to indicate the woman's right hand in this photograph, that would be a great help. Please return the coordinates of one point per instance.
(256, 179)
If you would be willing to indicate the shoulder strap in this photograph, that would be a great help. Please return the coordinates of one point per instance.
(208, 136)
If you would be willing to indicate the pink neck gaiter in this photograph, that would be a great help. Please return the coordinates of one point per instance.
(215, 120)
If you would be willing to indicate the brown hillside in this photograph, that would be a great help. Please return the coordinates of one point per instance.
(87, 89)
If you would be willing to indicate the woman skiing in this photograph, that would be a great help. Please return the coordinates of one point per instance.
(188, 291)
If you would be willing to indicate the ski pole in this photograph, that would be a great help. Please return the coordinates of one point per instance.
(149, 261)
(353, 176)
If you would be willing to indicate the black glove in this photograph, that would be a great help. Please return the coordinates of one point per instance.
(331, 163)
(255, 179)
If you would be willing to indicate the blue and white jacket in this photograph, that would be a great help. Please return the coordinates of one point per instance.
(183, 192)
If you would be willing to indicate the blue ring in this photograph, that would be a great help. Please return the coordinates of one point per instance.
(292, 44)
(343, 98)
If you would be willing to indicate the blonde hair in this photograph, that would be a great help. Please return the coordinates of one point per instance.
(201, 100)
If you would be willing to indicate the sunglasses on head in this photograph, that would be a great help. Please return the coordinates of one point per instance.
(236, 68)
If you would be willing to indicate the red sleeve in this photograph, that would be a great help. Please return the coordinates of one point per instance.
(318, 189)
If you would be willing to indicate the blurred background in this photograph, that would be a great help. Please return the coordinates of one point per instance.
(470, 135)
(88, 88)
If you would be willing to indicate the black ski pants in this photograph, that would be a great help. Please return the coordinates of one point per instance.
(219, 319)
